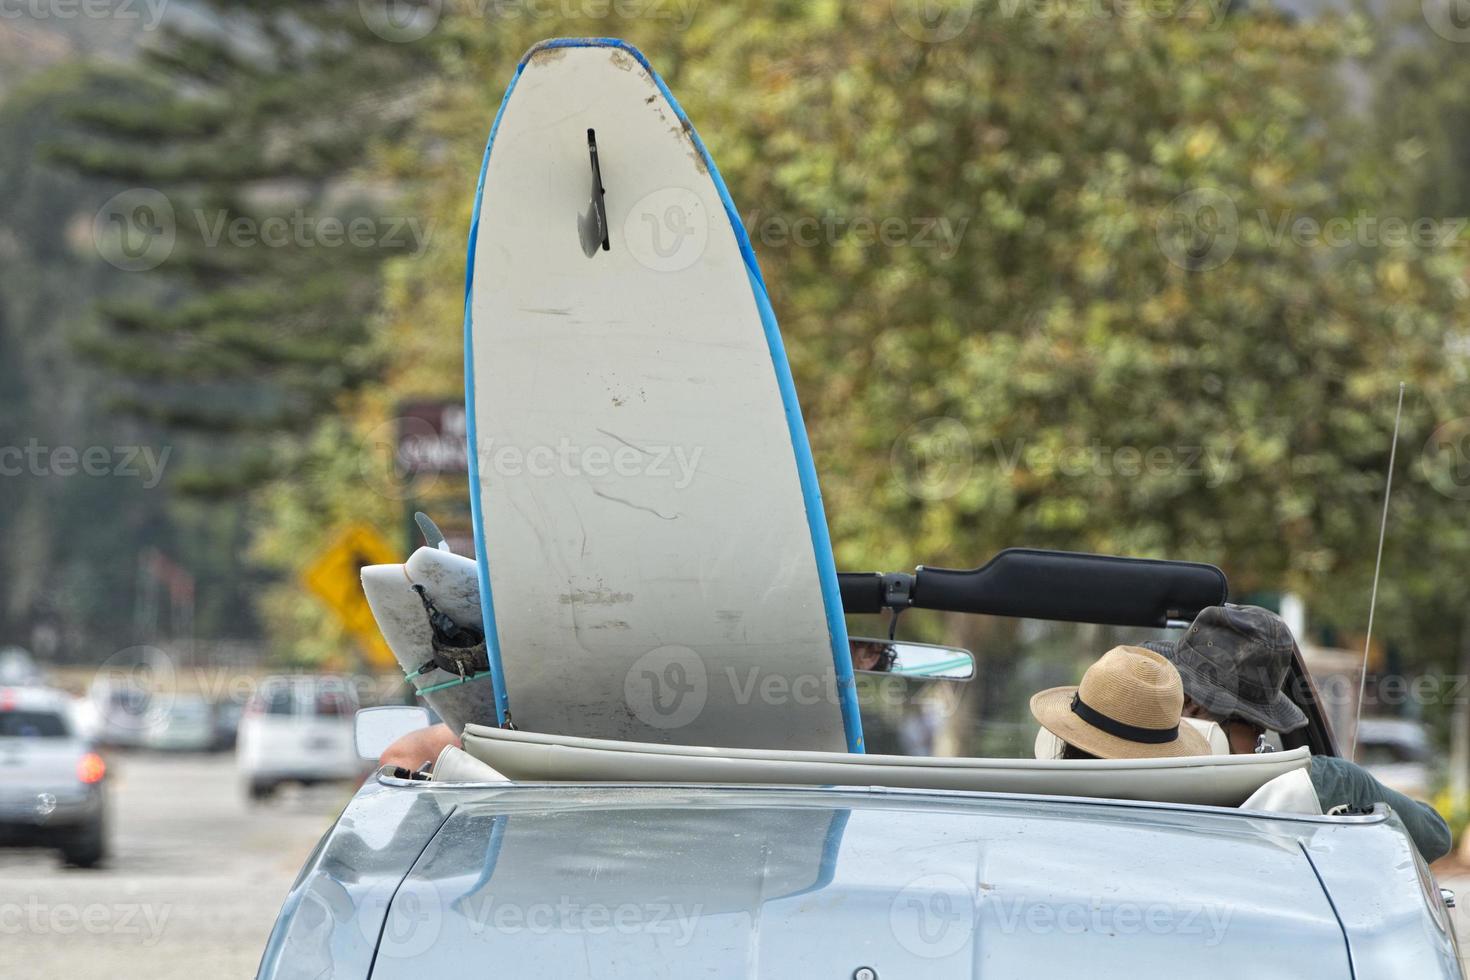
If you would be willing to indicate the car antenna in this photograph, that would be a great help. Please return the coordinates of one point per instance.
(1377, 566)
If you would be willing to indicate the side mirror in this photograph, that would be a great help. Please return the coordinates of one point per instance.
(374, 729)
(926, 660)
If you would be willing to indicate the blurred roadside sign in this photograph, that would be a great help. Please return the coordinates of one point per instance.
(432, 438)
(335, 578)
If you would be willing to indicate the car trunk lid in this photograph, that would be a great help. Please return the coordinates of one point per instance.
(615, 882)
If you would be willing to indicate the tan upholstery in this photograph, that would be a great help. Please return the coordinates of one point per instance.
(1291, 792)
(455, 765)
(1225, 780)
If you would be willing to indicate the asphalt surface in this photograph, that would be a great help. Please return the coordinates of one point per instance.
(196, 877)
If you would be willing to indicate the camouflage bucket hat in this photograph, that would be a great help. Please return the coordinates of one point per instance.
(1234, 661)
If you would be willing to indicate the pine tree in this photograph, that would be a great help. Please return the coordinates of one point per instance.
(244, 142)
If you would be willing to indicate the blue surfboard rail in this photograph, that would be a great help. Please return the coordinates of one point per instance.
(805, 466)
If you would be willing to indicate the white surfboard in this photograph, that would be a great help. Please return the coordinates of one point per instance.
(654, 559)
(450, 581)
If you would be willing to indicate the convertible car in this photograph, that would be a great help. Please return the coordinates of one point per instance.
(530, 854)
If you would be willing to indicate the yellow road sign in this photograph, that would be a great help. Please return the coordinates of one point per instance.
(335, 578)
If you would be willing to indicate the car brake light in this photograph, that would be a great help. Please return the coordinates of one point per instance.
(91, 768)
(7, 700)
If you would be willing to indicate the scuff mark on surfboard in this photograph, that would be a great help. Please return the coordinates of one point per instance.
(614, 435)
(621, 60)
(681, 128)
(547, 311)
(629, 503)
(594, 597)
(548, 54)
(687, 131)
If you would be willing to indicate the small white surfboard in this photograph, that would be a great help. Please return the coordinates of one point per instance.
(654, 559)
(450, 582)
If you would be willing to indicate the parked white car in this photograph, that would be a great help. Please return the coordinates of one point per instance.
(53, 786)
(187, 725)
(297, 728)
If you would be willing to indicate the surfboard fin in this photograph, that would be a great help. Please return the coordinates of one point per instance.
(433, 537)
(592, 226)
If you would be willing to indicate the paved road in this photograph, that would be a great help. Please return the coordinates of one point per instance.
(195, 881)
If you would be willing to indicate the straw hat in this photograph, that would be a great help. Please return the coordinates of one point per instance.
(1127, 707)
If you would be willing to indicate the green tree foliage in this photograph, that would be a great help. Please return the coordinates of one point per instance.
(73, 532)
(243, 139)
(1065, 274)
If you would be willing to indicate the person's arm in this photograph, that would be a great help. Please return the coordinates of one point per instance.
(416, 748)
(1339, 781)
